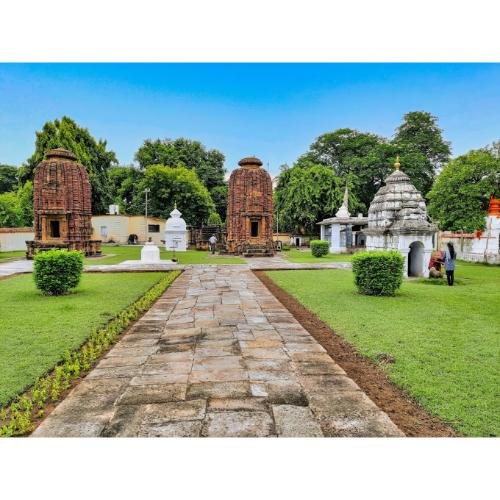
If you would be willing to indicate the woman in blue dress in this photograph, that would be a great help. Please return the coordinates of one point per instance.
(449, 263)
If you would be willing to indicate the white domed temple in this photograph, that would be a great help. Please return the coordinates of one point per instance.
(398, 220)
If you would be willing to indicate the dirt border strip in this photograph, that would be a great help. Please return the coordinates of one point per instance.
(408, 415)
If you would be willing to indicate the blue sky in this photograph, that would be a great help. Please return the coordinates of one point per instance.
(274, 111)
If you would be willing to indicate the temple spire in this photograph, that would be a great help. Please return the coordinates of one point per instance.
(397, 164)
(343, 211)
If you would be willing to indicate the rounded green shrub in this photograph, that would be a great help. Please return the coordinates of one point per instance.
(319, 248)
(57, 271)
(378, 272)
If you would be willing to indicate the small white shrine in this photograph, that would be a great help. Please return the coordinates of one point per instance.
(175, 232)
(398, 220)
(343, 232)
(150, 253)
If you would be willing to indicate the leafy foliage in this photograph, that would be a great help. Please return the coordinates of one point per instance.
(460, 196)
(378, 272)
(174, 185)
(57, 271)
(208, 164)
(9, 216)
(123, 182)
(214, 219)
(306, 195)
(219, 197)
(16, 207)
(66, 133)
(8, 178)
(319, 248)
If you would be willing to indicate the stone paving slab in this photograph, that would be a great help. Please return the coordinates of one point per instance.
(217, 356)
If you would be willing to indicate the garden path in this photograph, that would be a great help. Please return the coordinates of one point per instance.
(217, 355)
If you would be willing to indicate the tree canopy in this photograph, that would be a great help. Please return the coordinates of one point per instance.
(305, 195)
(461, 193)
(173, 185)
(16, 207)
(207, 163)
(423, 151)
(8, 178)
(66, 133)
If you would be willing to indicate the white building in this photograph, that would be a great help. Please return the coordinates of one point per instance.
(481, 246)
(398, 220)
(176, 235)
(343, 232)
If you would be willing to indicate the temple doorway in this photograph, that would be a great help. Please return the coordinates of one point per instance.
(416, 259)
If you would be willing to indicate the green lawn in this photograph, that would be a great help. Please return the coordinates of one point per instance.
(117, 254)
(10, 255)
(294, 255)
(36, 330)
(445, 340)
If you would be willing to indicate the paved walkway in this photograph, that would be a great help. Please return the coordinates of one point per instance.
(217, 355)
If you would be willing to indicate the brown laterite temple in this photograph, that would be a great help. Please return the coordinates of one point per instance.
(250, 210)
(62, 205)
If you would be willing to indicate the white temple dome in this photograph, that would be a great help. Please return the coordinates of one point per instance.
(175, 222)
(398, 205)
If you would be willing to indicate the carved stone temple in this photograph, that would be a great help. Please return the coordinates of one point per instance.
(62, 205)
(398, 220)
(250, 210)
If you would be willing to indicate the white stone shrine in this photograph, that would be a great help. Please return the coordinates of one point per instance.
(175, 232)
(343, 232)
(150, 253)
(398, 220)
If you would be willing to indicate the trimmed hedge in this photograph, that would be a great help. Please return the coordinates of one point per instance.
(319, 248)
(57, 271)
(18, 418)
(378, 272)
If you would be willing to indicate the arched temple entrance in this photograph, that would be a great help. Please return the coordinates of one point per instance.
(416, 259)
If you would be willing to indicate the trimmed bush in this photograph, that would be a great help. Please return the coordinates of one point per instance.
(319, 248)
(378, 272)
(57, 271)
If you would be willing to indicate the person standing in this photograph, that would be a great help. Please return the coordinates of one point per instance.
(449, 263)
(212, 241)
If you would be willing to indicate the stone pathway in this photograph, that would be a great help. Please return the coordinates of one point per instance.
(217, 355)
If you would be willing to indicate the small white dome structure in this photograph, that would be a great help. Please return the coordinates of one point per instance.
(175, 232)
(398, 220)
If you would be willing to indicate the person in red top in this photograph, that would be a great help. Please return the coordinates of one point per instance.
(436, 264)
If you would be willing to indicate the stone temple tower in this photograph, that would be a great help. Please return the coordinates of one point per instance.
(398, 220)
(62, 209)
(250, 210)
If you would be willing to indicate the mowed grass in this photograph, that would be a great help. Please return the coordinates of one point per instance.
(445, 340)
(299, 256)
(117, 254)
(36, 330)
(10, 255)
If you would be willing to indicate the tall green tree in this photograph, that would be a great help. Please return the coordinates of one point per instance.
(363, 159)
(207, 163)
(24, 204)
(461, 193)
(123, 184)
(66, 133)
(419, 142)
(8, 178)
(305, 195)
(9, 215)
(169, 186)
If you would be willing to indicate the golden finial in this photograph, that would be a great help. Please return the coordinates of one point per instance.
(175, 205)
(397, 164)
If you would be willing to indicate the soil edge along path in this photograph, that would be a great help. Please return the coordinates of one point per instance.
(410, 417)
